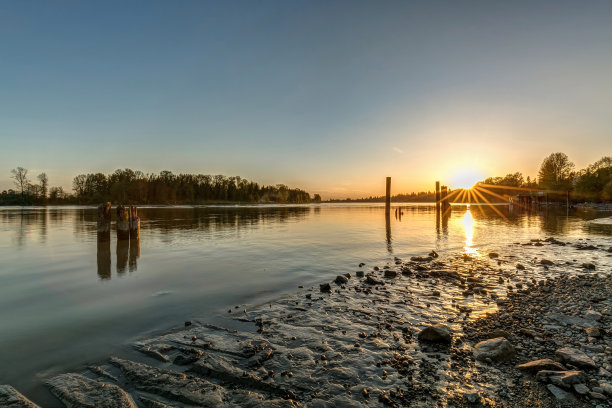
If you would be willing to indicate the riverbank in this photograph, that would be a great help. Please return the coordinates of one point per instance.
(407, 333)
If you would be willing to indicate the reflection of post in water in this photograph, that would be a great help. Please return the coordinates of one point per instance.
(134, 254)
(123, 247)
(388, 231)
(104, 258)
(445, 217)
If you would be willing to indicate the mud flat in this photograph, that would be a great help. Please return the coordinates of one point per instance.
(529, 325)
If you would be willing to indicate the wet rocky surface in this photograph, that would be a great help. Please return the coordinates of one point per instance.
(525, 326)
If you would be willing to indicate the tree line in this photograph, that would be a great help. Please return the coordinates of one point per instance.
(135, 187)
(556, 176)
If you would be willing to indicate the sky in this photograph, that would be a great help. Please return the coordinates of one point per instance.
(329, 96)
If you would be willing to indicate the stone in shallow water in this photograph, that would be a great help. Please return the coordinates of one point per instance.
(75, 390)
(437, 333)
(575, 357)
(11, 398)
(498, 349)
(341, 280)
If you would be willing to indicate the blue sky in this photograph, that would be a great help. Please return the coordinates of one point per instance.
(330, 96)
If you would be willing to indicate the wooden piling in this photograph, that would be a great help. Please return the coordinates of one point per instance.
(104, 220)
(443, 200)
(388, 197)
(134, 223)
(123, 223)
(437, 195)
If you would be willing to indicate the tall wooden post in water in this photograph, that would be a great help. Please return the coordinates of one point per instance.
(104, 219)
(123, 223)
(134, 223)
(388, 198)
(437, 196)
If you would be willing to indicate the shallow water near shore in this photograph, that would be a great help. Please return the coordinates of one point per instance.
(67, 300)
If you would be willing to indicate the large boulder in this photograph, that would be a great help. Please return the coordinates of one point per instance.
(498, 349)
(575, 357)
(438, 333)
(76, 390)
(11, 398)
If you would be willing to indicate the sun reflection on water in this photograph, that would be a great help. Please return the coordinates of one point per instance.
(468, 225)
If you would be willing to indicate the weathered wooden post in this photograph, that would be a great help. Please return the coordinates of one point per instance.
(437, 195)
(443, 197)
(104, 220)
(134, 223)
(123, 223)
(388, 198)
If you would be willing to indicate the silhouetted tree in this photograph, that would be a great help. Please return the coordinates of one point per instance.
(556, 172)
(20, 179)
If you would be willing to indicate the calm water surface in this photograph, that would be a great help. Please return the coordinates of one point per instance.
(68, 300)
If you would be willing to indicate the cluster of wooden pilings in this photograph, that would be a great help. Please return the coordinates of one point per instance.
(128, 239)
(442, 201)
(128, 222)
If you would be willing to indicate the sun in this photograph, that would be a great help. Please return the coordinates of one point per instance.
(465, 178)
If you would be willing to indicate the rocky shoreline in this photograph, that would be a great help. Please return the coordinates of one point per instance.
(516, 330)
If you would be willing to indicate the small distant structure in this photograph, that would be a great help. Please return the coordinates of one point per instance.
(529, 198)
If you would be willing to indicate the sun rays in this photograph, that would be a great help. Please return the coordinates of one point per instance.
(484, 194)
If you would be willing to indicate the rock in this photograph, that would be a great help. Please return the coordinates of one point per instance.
(371, 280)
(499, 333)
(597, 395)
(589, 266)
(153, 354)
(359, 274)
(433, 254)
(546, 262)
(341, 280)
(561, 378)
(581, 389)
(493, 255)
(592, 332)
(421, 258)
(575, 357)
(75, 390)
(564, 398)
(539, 365)
(188, 323)
(592, 315)
(181, 360)
(471, 396)
(520, 267)
(390, 274)
(437, 333)
(325, 287)
(498, 349)
(169, 384)
(11, 398)
(606, 388)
